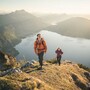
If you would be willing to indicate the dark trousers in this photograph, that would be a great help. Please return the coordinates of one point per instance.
(40, 57)
(59, 59)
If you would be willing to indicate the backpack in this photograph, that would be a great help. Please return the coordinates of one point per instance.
(42, 41)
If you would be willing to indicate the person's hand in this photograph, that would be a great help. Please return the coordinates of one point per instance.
(45, 52)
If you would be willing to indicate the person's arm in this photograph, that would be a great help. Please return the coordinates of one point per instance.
(35, 46)
(45, 45)
(61, 52)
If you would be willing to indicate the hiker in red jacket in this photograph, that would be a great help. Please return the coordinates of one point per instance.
(59, 55)
(40, 48)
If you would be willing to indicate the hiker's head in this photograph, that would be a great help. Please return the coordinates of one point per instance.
(58, 48)
(38, 36)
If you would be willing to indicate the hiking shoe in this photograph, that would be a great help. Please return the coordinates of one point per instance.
(40, 68)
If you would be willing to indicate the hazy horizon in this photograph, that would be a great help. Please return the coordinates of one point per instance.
(46, 6)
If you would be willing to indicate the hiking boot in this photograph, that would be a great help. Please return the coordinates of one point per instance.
(40, 68)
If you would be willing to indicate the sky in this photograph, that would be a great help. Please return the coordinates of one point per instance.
(47, 6)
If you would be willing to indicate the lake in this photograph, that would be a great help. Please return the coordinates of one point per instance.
(75, 49)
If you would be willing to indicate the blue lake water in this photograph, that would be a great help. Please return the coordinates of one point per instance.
(75, 49)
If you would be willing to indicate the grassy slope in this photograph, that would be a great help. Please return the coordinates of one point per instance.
(52, 77)
(22, 81)
(62, 77)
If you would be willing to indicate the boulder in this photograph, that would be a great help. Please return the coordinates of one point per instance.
(89, 74)
(33, 61)
(28, 64)
(2, 58)
(10, 71)
(6, 61)
(67, 62)
(88, 86)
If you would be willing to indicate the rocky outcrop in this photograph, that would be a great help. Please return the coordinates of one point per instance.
(10, 71)
(29, 64)
(6, 61)
(67, 76)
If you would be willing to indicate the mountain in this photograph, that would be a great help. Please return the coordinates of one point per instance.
(74, 27)
(54, 18)
(8, 40)
(67, 76)
(15, 26)
(23, 22)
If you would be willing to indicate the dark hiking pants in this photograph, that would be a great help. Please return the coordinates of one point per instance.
(40, 57)
(59, 59)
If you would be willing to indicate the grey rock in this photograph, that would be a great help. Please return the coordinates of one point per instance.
(10, 71)
(6, 58)
(33, 61)
(67, 61)
(28, 64)
(89, 74)
(88, 86)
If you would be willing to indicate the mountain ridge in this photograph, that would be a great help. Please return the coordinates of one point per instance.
(26, 75)
(19, 24)
(67, 76)
(23, 22)
(75, 27)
